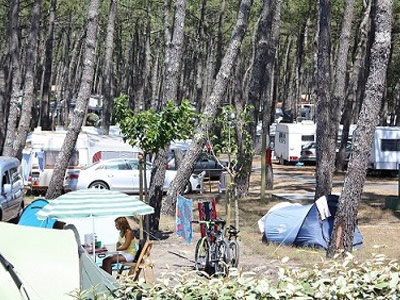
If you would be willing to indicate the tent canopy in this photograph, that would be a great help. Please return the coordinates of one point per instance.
(48, 262)
(29, 218)
(302, 225)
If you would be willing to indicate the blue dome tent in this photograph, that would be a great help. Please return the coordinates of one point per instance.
(28, 216)
(302, 225)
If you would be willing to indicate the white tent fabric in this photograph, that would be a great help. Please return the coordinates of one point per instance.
(94, 203)
(45, 260)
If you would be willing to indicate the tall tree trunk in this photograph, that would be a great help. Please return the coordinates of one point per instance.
(108, 67)
(338, 94)
(45, 120)
(351, 93)
(173, 57)
(346, 215)
(56, 182)
(220, 41)
(221, 83)
(260, 76)
(3, 99)
(31, 55)
(286, 76)
(325, 159)
(8, 149)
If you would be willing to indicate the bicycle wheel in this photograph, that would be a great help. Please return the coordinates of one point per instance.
(233, 253)
(201, 255)
(221, 258)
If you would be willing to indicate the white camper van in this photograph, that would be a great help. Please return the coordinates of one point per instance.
(385, 152)
(290, 138)
(42, 148)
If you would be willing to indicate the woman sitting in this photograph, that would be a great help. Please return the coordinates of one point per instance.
(126, 244)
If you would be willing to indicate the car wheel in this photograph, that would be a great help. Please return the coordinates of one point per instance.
(99, 185)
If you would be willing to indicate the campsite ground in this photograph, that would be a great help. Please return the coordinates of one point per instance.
(380, 227)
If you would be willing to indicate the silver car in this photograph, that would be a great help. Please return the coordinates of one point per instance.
(11, 189)
(121, 174)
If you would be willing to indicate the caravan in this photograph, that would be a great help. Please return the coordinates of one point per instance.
(385, 152)
(43, 147)
(290, 138)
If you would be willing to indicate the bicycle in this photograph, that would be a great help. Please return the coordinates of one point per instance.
(211, 254)
(233, 246)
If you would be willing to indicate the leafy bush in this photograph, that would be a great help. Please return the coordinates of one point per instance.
(376, 278)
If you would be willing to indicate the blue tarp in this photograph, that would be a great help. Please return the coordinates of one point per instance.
(28, 217)
(302, 226)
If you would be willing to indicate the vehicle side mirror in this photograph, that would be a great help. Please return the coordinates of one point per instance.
(6, 188)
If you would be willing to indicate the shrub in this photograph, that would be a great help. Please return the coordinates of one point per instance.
(376, 278)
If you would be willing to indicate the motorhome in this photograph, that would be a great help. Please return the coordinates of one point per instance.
(42, 149)
(290, 138)
(385, 152)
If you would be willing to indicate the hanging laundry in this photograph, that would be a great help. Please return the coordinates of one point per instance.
(184, 218)
(207, 211)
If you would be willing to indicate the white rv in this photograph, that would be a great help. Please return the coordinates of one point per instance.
(42, 148)
(385, 153)
(290, 138)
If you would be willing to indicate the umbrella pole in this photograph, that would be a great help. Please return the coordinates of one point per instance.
(141, 193)
(93, 240)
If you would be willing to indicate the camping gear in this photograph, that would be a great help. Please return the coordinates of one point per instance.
(94, 203)
(29, 218)
(184, 218)
(302, 225)
(48, 263)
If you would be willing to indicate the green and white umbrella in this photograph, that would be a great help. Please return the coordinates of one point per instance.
(94, 203)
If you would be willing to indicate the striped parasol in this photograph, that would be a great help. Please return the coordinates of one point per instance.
(94, 203)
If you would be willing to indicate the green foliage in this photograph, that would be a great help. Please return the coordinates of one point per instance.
(233, 126)
(152, 131)
(376, 278)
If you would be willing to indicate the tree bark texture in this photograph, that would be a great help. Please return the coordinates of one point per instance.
(346, 215)
(108, 67)
(325, 159)
(338, 92)
(45, 120)
(254, 93)
(351, 92)
(56, 182)
(4, 96)
(31, 55)
(222, 79)
(173, 57)
(8, 149)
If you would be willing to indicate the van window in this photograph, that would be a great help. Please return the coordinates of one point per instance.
(6, 178)
(14, 175)
(116, 165)
(390, 145)
(51, 158)
(307, 138)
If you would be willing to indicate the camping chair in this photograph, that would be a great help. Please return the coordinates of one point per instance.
(142, 261)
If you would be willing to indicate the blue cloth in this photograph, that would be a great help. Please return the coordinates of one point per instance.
(26, 165)
(40, 156)
(184, 218)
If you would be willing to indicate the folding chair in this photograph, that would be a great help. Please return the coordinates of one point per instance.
(143, 262)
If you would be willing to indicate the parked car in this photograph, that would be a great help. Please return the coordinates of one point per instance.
(121, 174)
(11, 189)
(205, 162)
(309, 152)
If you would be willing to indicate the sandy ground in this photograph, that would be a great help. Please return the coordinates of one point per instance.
(173, 253)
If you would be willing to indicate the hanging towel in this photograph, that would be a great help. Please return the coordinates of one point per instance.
(207, 211)
(322, 206)
(184, 218)
(40, 156)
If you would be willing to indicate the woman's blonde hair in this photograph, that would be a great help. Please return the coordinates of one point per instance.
(123, 225)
